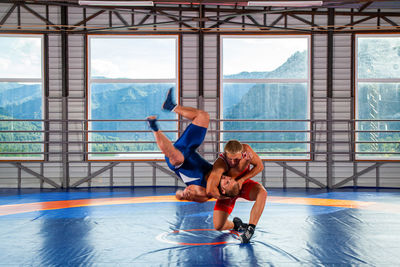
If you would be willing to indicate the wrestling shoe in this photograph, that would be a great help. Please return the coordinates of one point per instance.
(245, 237)
(239, 226)
(152, 121)
(169, 104)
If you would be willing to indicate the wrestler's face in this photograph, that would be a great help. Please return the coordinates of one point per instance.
(233, 159)
(227, 184)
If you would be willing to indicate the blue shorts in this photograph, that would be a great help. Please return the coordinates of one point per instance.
(194, 168)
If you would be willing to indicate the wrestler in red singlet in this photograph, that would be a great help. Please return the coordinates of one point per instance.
(227, 205)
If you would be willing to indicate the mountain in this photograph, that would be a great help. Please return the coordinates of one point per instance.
(17, 137)
(14, 94)
(295, 67)
(270, 102)
(134, 101)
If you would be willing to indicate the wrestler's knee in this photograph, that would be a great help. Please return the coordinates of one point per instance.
(219, 226)
(262, 194)
(204, 115)
(219, 222)
(202, 119)
(258, 192)
(176, 159)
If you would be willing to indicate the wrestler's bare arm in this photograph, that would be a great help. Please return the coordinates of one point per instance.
(254, 160)
(214, 179)
(193, 193)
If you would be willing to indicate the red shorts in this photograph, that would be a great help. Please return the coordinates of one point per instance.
(228, 204)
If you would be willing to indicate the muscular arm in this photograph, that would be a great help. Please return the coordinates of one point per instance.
(193, 193)
(257, 163)
(214, 178)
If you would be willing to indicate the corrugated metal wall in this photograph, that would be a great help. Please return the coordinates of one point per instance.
(276, 174)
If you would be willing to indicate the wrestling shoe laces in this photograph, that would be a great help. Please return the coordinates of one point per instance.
(245, 237)
(169, 104)
(239, 226)
(153, 124)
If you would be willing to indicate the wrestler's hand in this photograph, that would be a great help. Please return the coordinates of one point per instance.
(248, 156)
(179, 195)
(188, 193)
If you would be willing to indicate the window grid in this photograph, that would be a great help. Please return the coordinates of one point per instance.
(270, 81)
(132, 153)
(374, 125)
(25, 143)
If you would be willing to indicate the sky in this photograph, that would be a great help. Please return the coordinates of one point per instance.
(253, 54)
(20, 57)
(134, 58)
(148, 58)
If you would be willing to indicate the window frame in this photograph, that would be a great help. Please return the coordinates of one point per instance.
(157, 155)
(378, 157)
(41, 81)
(308, 81)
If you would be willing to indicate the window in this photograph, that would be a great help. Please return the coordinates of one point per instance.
(21, 97)
(266, 94)
(128, 79)
(378, 97)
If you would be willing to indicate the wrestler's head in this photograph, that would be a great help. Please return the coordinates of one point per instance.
(228, 186)
(233, 152)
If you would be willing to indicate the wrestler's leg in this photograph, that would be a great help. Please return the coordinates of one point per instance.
(259, 195)
(220, 220)
(175, 156)
(198, 117)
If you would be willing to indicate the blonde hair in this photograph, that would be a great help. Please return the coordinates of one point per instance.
(233, 192)
(233, 147)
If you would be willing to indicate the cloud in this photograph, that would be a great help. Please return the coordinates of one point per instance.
(104, 68)
(4, 64)
(134, 58)
(20, 57)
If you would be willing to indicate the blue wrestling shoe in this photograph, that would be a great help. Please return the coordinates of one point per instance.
(152, 121)
(239, 226)
(169, 104)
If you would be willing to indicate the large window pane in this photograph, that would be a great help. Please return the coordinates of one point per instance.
(379, 102)
(273, 102)
(378, 57)
(133, 58)
(21, 97)
(20, 57)
(129, 77)
(266, 84)
(265, 58)
(22, 102)
(378, 97)
(127, 102)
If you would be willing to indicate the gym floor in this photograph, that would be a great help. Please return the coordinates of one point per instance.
(147, 226)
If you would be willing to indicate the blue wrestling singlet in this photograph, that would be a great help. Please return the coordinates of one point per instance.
(194, 168)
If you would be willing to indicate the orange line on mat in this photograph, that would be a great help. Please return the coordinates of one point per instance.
(63, 204)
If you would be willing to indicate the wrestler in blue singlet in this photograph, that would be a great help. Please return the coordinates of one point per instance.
(194, 168)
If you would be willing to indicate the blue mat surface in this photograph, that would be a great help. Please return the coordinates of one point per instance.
(298, 227)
